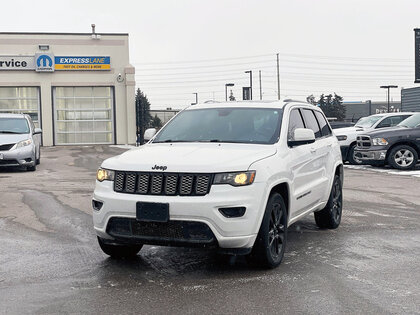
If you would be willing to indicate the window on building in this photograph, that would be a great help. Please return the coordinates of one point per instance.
(83, 115)
(21, 100)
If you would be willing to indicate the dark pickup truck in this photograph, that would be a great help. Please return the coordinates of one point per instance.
(398, 146)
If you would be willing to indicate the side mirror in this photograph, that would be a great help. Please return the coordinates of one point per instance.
(301, 136)
(37, 131)
(149, 133)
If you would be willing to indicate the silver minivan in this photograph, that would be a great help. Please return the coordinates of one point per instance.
(20, 141)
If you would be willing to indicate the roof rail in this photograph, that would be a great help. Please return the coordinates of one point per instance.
(288, 100)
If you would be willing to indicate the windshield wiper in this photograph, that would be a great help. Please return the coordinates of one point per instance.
(170, 141)
(12, 132)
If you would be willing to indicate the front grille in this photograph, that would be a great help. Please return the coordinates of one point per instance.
(363, 142)
(6, 147)
(152, 232)
(168, 184)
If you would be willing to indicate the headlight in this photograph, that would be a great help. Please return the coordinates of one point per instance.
(23, 143)
(341, 138)
(379, 141)
(235, 179)
(104, 174)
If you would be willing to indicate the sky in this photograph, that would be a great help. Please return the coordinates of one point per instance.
(181, 47)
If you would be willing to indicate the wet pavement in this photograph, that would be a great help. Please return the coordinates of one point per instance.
(50, 261)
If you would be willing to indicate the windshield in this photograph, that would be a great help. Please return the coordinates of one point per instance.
(411, 122)
(236, 125)
(367, 122)
(14, 125)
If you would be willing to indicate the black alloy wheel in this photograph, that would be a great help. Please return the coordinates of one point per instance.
(330, 216)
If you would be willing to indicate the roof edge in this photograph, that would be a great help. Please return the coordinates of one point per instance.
(53, 33)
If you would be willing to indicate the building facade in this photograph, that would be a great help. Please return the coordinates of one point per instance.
(410, 99)
(78, 88)
(356, 110)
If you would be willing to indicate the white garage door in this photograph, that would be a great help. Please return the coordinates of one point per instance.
(20, 100)
(83, 115)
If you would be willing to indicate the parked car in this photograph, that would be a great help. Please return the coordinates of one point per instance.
(228, 175)
(399, 146)
(20, 141)
(341, 124)
(347, 137)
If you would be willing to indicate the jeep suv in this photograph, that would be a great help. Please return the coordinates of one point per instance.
(399, 146)
(229, 175)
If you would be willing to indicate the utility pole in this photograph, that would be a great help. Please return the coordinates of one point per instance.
(278, 77)
(250, 82)
(260, 85)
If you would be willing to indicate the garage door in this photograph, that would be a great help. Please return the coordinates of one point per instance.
(21, 100)
(83, 115)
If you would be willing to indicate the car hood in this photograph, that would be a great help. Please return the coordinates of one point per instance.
(190, 157)
(391, 131)
(348, 130)
(9, 138)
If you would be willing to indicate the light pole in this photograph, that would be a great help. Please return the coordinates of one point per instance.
(226, 86)
(196, 99)
(388, 87)
(250, 82)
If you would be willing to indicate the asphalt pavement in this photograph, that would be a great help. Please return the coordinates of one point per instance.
(50, 262)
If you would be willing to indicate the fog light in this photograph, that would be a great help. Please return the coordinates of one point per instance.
(97, 205)
(233, 212)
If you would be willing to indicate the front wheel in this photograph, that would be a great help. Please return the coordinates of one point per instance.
(119, 251)
(268, 250)
(330, 216)
(403, 157)
(353, 160)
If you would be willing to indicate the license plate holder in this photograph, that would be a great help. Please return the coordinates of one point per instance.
(152, 211)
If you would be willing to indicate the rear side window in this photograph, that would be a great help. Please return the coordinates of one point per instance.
(311, 122)
(325, 129)
(295, 121)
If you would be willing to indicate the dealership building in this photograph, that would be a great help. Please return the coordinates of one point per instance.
(79, 88)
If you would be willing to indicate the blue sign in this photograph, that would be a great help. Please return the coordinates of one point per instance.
(44, 62)
(83, 63)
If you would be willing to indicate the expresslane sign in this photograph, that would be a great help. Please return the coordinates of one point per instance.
(82, 63)
(47, 62)
(17, 63)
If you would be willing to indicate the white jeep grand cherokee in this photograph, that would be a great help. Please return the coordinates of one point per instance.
(227, 175)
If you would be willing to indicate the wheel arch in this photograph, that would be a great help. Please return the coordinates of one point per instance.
(404, 142)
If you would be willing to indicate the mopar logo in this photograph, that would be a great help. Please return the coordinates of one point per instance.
(44, 62)
(160, 168)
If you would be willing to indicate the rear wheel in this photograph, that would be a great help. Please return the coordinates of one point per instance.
(330, 216)
(403, 157)
(119, 251)
(268, 250)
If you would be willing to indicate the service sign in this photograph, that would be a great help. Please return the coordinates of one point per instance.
(17, 63)
(82, 63)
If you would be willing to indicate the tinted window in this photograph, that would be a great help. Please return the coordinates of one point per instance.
(325, 129)
(391, 121)
(295, 121)
(311, 122)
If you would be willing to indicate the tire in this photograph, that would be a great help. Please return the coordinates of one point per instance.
(31, 168)
(269, 247)
(119, 251)
(38, 160)
(403, 157)
(330, 216)
(351, 158)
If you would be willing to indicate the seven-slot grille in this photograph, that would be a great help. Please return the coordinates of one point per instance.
(170, 184)
(363, 142)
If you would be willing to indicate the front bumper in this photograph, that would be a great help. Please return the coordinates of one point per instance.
(24, 156)
(239, 232)
(371, 155)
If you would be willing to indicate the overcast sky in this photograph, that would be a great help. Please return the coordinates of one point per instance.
(180, 47)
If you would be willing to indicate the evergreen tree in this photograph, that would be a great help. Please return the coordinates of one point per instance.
(143, 117)
(231, 97)
(332, 106)
(156, 122)
(311, 99)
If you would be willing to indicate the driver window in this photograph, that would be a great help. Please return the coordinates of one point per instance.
(295, 121)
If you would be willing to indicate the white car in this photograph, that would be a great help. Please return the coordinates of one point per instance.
(347, 137)
(229, 175)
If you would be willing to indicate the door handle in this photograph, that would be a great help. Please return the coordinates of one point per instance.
(313, 150)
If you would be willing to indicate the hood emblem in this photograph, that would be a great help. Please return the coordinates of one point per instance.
(159, 167)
